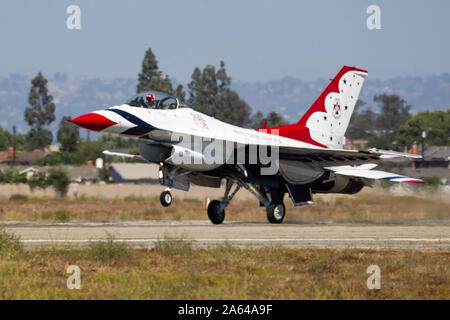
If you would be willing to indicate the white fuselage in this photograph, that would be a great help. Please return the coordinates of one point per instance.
(167, 126)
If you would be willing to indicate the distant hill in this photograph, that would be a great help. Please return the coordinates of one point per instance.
(292, 97)
(288, 96)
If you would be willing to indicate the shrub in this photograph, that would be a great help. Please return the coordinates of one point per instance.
(61, 216)
(38, 180)
(59, 179)
(20, 197)
(109, 249)
(10, 244)
(432, 181)
(173, 246)
(11, 175)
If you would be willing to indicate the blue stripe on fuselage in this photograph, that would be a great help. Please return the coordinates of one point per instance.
(141, 128)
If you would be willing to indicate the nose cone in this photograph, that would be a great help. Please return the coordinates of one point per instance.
(93, 121)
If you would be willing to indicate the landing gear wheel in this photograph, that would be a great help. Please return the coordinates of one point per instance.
(166, 198)
(276, 212)
(215, 214)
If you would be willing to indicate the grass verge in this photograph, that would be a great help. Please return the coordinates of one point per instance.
(174, 271)
(10, 245)
(108, 250)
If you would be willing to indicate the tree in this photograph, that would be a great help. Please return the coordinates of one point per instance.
(8, 139)
(151, 78)
(436, 124)
(385, 141)
(394, 112)
(210, 93)
(362, 123)
(59, 179)
(112, 142)
(5, 139)
(39, 139)
(180, 93)
(39, 113)
(89, 150)
(68, 135)
(38, 180)
(257, 120)
(273, 119)
(231, 108)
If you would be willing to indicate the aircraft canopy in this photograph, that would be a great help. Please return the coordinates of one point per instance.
(154, 100)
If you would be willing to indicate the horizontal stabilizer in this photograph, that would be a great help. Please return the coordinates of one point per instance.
(120, 154)
(372, 174)
(389, 154)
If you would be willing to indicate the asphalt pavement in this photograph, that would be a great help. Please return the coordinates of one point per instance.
(240, 234)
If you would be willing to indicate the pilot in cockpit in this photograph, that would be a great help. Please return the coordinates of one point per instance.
(150, 100)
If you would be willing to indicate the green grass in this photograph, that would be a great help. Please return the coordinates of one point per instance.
(174, 270)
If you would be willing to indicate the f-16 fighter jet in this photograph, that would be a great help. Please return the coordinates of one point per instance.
(300, 159)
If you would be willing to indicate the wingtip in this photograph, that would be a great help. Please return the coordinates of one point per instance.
(415, 181)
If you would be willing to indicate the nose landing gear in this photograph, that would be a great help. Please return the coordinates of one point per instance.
(167, 177)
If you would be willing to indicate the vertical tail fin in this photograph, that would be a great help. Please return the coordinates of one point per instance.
(328, 117)
(325, 122)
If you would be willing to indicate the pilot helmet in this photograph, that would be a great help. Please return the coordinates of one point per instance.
(150, 97)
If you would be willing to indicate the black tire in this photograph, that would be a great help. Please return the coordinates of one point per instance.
(214, 213)
(165, 198)
(276, 212)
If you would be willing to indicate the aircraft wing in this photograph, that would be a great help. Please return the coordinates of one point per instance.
(341, 155)
(328, 157)
(352, 163)
(364, 171)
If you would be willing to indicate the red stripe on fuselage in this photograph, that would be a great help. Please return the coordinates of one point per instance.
(294, 131)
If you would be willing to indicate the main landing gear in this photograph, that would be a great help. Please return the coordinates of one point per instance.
(166, 198)
(216, 208)
(276, 212)
(272, 201)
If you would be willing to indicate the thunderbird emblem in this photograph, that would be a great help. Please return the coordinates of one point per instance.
(336, 109)
(199, 121)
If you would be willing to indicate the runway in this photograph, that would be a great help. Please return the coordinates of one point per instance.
(203, 234)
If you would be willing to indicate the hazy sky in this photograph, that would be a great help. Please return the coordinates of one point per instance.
(258, 40)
